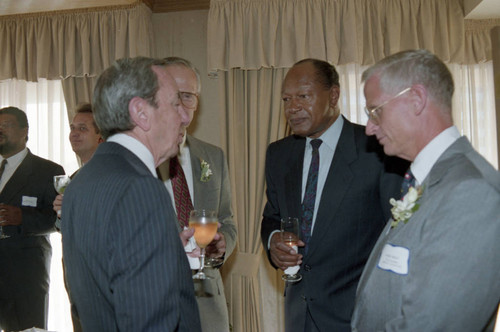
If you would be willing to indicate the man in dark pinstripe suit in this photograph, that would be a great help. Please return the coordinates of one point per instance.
(125, 265)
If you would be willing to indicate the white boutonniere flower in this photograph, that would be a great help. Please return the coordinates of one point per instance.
(403, 209)
(206, 172)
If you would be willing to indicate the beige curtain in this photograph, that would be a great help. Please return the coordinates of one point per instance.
(250, 114)
(251, 34)
(73, 44)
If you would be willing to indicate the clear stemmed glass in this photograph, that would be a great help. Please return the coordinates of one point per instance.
(204, 223)
(2, 234)
(60, 184)
(290, 234)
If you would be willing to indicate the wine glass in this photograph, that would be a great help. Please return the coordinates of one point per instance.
(290, 232)
(60, 184)
(204, 223)
(2, 234)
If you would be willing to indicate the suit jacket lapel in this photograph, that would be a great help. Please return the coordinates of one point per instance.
(336, 185)
(19, 179)
(196, 154)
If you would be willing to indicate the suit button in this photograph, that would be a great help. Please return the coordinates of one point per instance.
(303, 298)
(307, 267)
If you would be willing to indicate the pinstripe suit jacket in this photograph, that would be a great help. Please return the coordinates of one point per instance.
(125, 265)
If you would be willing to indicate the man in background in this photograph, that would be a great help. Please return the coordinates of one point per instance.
(436, 265)
(204, 172)
(84, 137)
(334, 179)
(26, 220)
(125, 264)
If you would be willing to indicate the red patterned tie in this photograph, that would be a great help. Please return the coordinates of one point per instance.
(183, 204)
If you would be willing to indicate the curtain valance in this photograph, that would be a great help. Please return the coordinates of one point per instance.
(72, 43)
(251, 34)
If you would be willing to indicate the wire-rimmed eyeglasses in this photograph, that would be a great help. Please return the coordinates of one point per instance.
(373, 113)
(188, 99)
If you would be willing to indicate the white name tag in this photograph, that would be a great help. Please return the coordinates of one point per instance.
(395, 259)
(29, 201)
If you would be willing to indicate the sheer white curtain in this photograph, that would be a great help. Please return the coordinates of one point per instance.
(48, 134)
(473, 103)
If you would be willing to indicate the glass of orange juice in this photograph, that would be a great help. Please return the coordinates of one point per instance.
(204, 223)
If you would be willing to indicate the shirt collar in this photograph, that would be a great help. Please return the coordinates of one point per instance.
(428, 156)
(331, 136)
(137, 148)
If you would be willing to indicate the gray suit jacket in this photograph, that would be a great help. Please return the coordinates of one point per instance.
(215, 194)
(125, 264)
(353, 210)
(453, 279)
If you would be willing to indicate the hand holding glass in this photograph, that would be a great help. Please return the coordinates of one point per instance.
(204, 223)
(60, 184)
(290, 232)
(2, 234)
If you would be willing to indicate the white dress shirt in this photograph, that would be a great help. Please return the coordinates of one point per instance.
(13, 163)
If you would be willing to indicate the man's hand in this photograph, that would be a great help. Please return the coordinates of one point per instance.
(282, 255)
(216, 248)
(57, 204)
(10, 215)
(185, 235)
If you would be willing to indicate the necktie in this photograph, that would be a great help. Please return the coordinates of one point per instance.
(183, 204)
(310, 194)
(2, 167)
(409, 181)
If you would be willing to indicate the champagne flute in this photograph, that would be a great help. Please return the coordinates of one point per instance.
(204, 223)
(2, 234)
(60, 184)
(290, 232)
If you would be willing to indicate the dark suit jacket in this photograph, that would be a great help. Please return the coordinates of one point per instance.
(25, 256)
(125, 264)
(353, 209)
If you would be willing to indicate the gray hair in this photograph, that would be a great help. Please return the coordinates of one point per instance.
(174, 60)
(407, 68)
(117, 86)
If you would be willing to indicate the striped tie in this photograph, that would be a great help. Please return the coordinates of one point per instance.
(183, 204)
(408, 181)
(310, 194)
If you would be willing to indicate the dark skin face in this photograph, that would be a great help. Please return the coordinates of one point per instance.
(12, 136)
(310, 108)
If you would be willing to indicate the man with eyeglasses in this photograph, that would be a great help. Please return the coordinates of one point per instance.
(199, 174)
(352, 183)
(26, 220)
(436, 265)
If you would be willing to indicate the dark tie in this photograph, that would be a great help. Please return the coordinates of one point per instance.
(2, 167)
(310, 194)
(409, 181)
(183, 204)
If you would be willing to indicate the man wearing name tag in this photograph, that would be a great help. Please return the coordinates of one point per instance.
(27, 219)
(436, 265)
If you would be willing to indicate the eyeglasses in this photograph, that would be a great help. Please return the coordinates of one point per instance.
(188, 99)
(373, 113)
